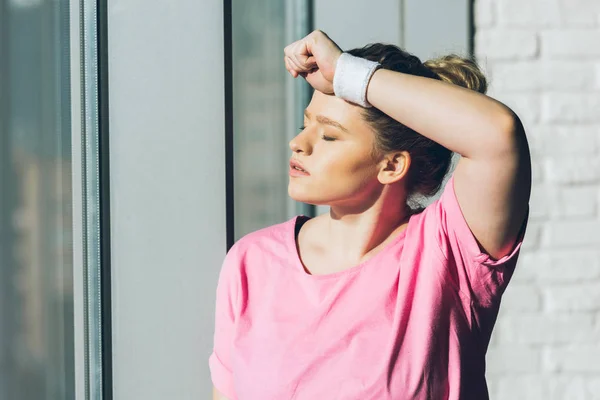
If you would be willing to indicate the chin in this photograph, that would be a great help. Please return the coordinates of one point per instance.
(304, 197)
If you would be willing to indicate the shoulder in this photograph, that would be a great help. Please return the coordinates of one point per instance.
(257, 253)
(273, 238)
(274, 233)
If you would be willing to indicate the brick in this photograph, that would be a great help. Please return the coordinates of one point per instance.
(571, 107)
(519, 297)
(579, 358)
(568, 386)
(558, 266)
(529, 387)
(506, 44)
(542, 201)
(578, 18)
(547, 13)
(552, 140)
(580, 13)
(571, 233)
(577, 201)
(527, 106)
(593, 388)
(551, 200)
(513, 359)
(532, 237)
(542, 74)
(576, 297)
(529, 13)
(485, 13)
(537, 329)
(566, 75)
(581, 43)
(540, 386)
(572, 170)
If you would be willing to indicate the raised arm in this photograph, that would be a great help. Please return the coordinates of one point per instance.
(493, 177)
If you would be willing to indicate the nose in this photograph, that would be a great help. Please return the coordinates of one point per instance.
(301, 143)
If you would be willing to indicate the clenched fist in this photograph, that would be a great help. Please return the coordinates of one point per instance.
(314, 58)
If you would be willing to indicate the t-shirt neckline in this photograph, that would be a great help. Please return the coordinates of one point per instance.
(299, 267)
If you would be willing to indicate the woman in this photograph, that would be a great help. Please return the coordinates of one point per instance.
(379, 298)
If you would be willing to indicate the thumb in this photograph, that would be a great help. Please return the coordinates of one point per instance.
(310, 62)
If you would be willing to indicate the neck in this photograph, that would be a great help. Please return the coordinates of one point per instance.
(354, 236)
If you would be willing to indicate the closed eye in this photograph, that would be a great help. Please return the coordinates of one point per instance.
(324, 137)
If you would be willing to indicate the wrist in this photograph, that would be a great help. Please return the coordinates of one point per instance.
(372, 82)
(351, 78)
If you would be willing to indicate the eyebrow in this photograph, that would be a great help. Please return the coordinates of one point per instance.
(326, 121)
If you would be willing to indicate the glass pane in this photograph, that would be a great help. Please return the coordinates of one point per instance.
(36, 297)
(267, 109)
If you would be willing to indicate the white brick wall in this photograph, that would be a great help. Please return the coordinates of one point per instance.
(543, 60)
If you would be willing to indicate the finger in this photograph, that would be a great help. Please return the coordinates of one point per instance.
(309, 62)
(306, 57)
(289, 49)
(287, 66)
(295, 66)
(290, 68)
(298, 61)
(300, 54)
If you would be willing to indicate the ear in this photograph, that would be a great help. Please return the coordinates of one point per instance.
(393, 167)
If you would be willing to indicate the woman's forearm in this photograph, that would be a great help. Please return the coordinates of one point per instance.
(462, 120)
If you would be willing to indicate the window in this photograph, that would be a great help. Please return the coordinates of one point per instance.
(36, 282)
(267, 109)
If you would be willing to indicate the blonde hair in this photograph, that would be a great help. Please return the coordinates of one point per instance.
(460, 71)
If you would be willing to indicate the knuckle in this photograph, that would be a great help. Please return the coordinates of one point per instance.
(318, 33)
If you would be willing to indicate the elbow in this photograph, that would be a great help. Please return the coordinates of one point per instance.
(512, 124)
(510, 132)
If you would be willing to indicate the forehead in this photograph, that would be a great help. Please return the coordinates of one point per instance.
(339, 110)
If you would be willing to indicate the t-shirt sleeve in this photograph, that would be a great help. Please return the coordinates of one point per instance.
(476, 273)
(226, 311)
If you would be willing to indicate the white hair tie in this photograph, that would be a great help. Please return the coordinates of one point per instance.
(351, 78)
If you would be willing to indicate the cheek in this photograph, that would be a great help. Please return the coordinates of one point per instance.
(337, 175)
(347, 174)
(348, 166)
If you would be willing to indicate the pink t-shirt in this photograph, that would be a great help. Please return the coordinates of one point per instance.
(412, 322)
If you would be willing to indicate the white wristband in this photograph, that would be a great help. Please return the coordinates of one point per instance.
(351, 78)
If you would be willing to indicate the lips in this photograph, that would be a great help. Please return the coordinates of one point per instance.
(295, 164)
